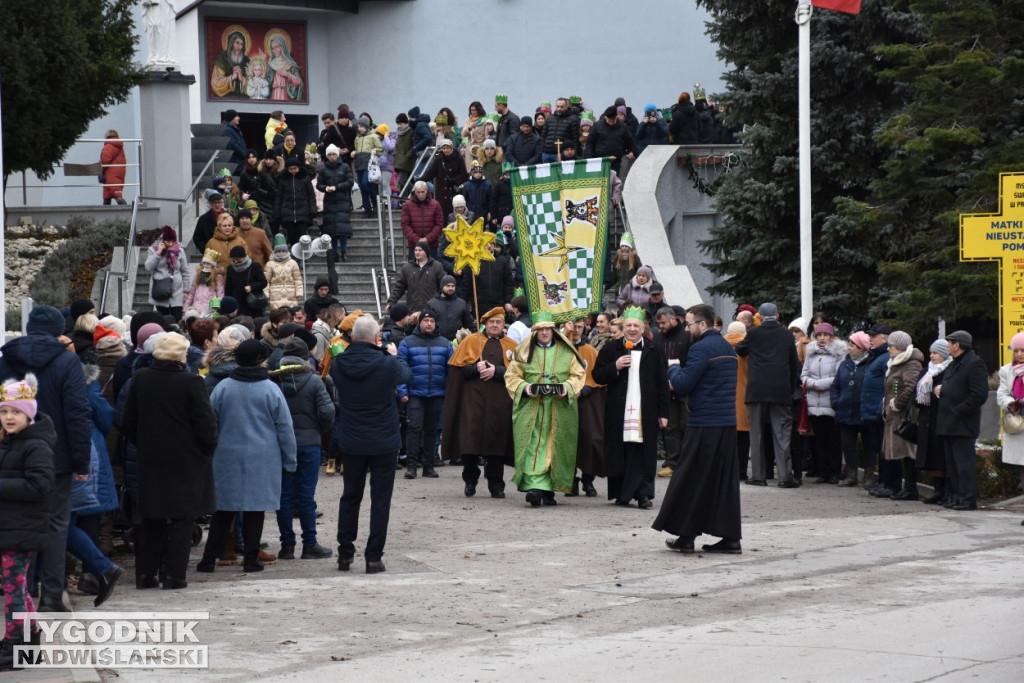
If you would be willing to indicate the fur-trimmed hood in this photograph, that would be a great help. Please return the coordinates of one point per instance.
(499, 154)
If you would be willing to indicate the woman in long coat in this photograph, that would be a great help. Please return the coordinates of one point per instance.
(167, 415)
(256, 443)
(113, 160)
(930, 454)
(905, 363)
(166, 259)
(335, 181)
(1010, 397)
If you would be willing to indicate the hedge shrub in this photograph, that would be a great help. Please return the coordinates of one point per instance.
(53, 286)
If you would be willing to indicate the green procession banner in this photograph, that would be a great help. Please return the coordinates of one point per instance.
(561, 218)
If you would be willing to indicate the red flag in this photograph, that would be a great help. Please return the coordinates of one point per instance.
(848, 6)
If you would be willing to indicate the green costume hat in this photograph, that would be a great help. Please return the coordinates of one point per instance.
(224, 173)
(501, 99)
(634, 313)
(587, 116)
(698, 92)
(542, 319)
(280, 241)
(518, 291)
(493, 116)
(627, 239)
(545, 105)
(575, 99)
(441, 119)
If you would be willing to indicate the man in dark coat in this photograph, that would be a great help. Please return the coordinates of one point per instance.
(419, 280)
(523, 148)
(561, 130)
(452, 311)
(963, 392)
(610, 138)
(236, 143)
(508, 124)
(773, 381)
(168, 417)
(62, 396)
(631, 455)
(685, 124)
(673, 339)
(478, 409)
(703, 496)
(207, 223)
(366, 432)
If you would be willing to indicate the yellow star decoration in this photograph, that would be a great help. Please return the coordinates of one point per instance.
(561, 251)
(468, 244)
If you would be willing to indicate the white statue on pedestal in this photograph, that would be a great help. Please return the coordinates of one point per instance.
(158, 17)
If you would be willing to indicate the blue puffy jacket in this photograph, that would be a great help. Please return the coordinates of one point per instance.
(874, 385)
(97, 494)
(421, 135)
(427, 357)
(709, 379)
(845, 393)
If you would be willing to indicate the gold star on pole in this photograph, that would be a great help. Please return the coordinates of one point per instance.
(561, 251)
(468, 244)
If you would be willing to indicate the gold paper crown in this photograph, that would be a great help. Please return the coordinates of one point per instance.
(634, 313)
(25, 390)
(211, 255)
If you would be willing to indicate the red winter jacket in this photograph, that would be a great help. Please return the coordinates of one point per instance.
(422, 221)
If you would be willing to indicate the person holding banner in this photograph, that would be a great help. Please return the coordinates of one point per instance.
(637, 405)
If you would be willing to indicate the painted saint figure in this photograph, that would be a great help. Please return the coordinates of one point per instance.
(229, 68)
(286, 78)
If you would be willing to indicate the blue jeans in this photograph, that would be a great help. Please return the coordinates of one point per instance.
(298, 490)
(82, 547)
(368, 190)
(546, 158)
(382, 483)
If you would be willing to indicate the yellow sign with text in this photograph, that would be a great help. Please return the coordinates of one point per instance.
(1000, 237)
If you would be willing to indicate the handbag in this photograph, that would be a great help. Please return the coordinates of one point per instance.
(1013, 423)
(255, 299)
(162, 289)
(803, 418)
(102, 177)
(907, 428)
(373, 169)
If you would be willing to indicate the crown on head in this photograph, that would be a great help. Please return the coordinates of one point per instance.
(634, 313)
(501, 99)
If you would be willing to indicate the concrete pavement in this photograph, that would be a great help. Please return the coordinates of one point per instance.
(832, 585)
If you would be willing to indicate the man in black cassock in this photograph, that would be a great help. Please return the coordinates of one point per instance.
(703, 496)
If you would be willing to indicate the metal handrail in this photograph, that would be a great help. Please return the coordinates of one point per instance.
(380, 233)
(391, 240)
(376, 292)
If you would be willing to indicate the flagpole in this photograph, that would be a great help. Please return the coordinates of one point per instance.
(803, 20)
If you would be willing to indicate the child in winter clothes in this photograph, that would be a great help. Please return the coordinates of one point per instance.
(26, 478)
(477, 192)
(208, 284)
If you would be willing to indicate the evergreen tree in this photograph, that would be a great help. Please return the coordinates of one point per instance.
(61, 63)
(963, 125)
(756, 249)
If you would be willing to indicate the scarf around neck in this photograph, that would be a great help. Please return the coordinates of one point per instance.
(927, 382)
(243, 266)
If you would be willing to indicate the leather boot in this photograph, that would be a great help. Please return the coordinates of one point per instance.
(410, 473)
(870, 480)
(909, 490)
(252, 562)
(940, 491)
(575, 488)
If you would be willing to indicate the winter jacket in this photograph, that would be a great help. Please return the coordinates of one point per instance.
(256, 440)
(114, 168)
(62, 395)
(964, 391)
(818, 374)
(705, 123)
(271, 130)
(422, 137)
(284, 283)
(223, 244)
(295, 201)
(220, 363)
(491, 165)
(366, 378)
(501, 202)
(773, 369)
(422, 221)
(494, 284)
(26, 479)
(709, 379)
(638, 293)
(564, 127)
(206, 226)
(404, 159)
(508, 125)
(523, 150)
(650, 134)
(478, 196)
(257, 244)
(314, 305)
(337, 204)
(873, 389)
(427, 357)
(448, 173)
(159, 267)
(387, 157)
(418, 283)
(98, 493)
(845, 392)
(308, 401)
(235, 284)
(236, 143)
(267, 191)
(330, 135)
(685, 124)
(452, 314)
(904, 369)
(610, 141)
(365, 146)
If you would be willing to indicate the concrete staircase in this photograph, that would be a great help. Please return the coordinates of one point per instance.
(355, 284)
(207, 138)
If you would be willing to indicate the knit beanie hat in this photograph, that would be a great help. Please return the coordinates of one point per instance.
(446, 280)
(171, 346)
(252, 352)
(228, 305)
(45, 320)
(489, 143)
(280, 242)
(21, 395)
(145, 332)
(402, 118)
(824, 328)
(231, 336)
(296, 348)
(400, 310)
(114, 324)
(80, 307)
(138, 321)
(508, 220)
(458, 200)
(736, 327)
(237, 251)
(332, 149)
(941, 346)
(363, 121)
(1016, 342)
(149, 346)
(424, 245)
(900, 339)
(861, 340)
(168, 234)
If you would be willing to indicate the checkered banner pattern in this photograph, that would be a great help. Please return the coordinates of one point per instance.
(561, 217)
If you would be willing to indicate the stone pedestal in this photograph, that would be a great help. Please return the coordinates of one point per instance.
(166, 146)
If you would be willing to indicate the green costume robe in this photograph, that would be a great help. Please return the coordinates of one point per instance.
(544, 428)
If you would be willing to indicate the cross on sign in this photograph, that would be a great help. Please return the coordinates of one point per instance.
(1000, 237)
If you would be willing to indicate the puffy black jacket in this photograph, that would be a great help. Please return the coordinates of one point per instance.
(295, 201)
(501, 201)
(308, 401)
(494, 284)
(337, 204)
(685, 124)
(366, 379)
(565, 127)
(26, 479)
(523, 150)
(508, 125)
(452, 315)
(62, 395)
(610, 141)
(478, 196)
